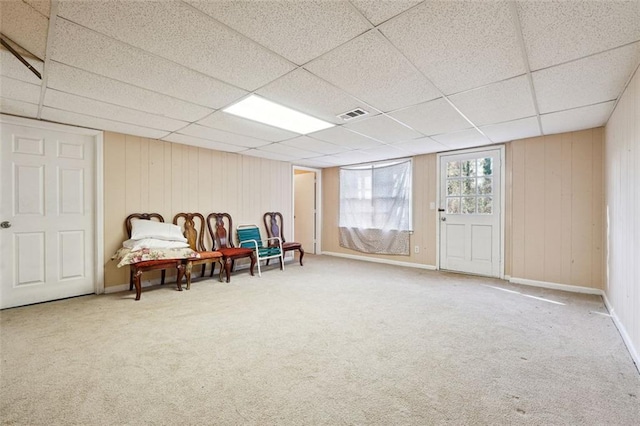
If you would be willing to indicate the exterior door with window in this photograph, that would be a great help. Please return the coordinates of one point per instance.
(470, 212)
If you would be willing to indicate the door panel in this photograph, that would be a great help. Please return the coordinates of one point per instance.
(47, 196)
(470, 216)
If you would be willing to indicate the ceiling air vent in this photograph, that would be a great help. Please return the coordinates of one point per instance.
(354, 113)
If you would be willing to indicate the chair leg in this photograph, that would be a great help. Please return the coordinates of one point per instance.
(301, 255)
(204, 268)
(213, 267)
(180, 268)
(187, 273)
(130, 279)
(162, 277)
(136, 281)
(227, 267)
(253, 263)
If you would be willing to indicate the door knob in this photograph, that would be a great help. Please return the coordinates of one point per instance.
(443, 218)
(5, 224)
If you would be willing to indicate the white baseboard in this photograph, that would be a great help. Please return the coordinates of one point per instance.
(623, 332)
(555, 286)
(378, 260)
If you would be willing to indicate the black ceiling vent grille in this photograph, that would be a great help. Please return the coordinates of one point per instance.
(354, 113)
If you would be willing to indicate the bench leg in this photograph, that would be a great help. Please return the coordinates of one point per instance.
(301, 256)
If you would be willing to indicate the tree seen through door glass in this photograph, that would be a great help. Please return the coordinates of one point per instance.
(469, 186)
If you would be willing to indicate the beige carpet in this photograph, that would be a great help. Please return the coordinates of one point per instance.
(334, 342)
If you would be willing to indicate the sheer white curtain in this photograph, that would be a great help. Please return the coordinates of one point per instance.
(375, 207)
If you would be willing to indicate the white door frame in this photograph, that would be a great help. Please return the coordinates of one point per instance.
(502, 198)
(318, 173)
(98, 188)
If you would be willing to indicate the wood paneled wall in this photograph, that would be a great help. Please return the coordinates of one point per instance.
(622, 166)
(147, 175)
(553, 213)
(424, 218)
(555, 207)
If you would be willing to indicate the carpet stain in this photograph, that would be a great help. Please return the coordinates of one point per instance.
(521, 411)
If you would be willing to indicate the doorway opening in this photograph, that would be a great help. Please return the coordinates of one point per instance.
(306, 211)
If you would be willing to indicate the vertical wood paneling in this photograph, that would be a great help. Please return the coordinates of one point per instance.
(582, 182)
(565, 212)
(155, 177)
(115, 203)
(518, 209)
(132, 172)
(553, 209)
(508, 214)
(534, 208)
(597, 209)
(143, 175)
(622, 160)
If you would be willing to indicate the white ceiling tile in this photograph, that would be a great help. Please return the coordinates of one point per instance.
(586, 81)
(202, 143)
(385, 152)
(19, 90)
(299, 31)
(10, 66)
(73, 103)
(222, 136)
(464, 139)
(269, 155)
(350, 157)
(432, 118)
(76, 46)
(290, 151)
(576, 119)
(319, 162)
(421, 146)
(24, 109)
(459, 45)
(344, 137)
(504, 101)
(560, 31)
(82, 83)
(516, 129)
(369, 68)
(182, 34)
(307, 93)
(315, 145)
(67, 117)
(384, 129)
(234, 124)
(378, 11)
(42, 6)
(25, 26)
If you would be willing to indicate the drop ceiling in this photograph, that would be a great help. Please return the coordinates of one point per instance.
(433, 76)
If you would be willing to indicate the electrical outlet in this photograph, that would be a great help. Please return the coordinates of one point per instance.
(416, 249)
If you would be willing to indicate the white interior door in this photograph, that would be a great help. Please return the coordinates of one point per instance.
(47, 214)
(304, 210)
(470, 212)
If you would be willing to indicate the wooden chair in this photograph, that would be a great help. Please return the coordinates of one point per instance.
(195, 239)
(137, 269)
(249, 237)
(224, 244)
(273, 224)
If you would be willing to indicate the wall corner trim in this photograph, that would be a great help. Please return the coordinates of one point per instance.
(623, 332)
(378, 260)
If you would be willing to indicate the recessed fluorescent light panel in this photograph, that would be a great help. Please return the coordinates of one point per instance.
(267, 112)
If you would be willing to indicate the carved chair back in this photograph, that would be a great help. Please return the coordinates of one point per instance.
(143, 216)
(273, 224)
(218, 230)
(193, 229)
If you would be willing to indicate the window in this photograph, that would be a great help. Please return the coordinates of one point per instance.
(470, 186)
(375, 207)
